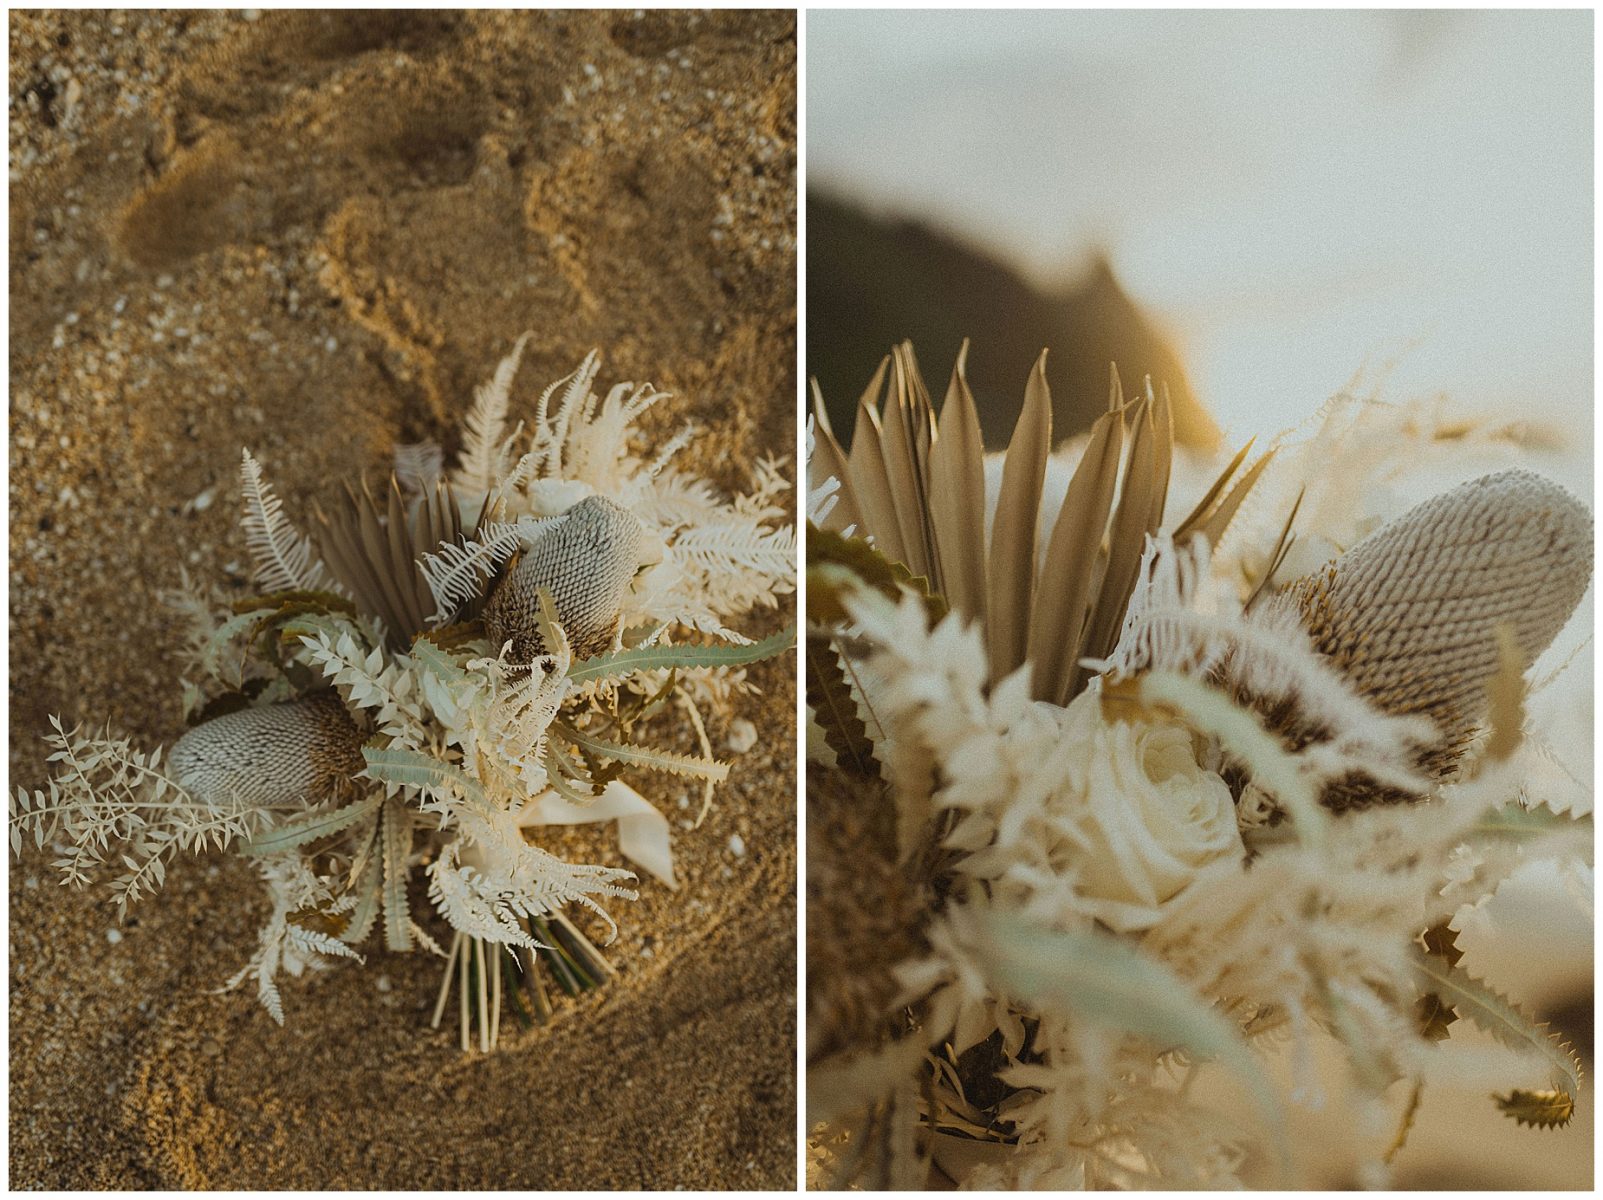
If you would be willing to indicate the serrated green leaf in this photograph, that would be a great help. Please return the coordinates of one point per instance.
(865, 564)
(1515, 822)
(641, 756)
(835, 708)
(396, 830)
(310, 827)
(1478, 1003)
(660, 658)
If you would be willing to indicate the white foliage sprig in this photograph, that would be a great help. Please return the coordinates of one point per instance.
(483, 457)
(283, 556)
(282, 944)
(368, 680)
(115, 804)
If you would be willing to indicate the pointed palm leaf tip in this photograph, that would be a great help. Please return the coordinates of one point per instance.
(298, 752)
(1410, 614)
(374, 549)
(916, 486)
(586, 563)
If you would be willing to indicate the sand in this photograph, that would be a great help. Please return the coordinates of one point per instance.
(312, 235)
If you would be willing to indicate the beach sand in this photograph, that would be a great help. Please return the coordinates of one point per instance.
(313, 234)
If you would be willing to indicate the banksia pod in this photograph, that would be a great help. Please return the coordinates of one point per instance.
(866, 911)
(298, 752)
(586, 563)
(1410, 614)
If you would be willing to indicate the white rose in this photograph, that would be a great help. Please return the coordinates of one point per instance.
(1152, 818)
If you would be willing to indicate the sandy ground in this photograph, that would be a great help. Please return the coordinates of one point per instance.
(313, 234)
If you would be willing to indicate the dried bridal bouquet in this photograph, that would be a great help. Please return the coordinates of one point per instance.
(433, 679)
(1107, 797)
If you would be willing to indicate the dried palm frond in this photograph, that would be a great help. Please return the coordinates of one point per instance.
(916, 486)
(1410, 615)
(374, 550)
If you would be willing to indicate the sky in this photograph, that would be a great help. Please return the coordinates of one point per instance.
(1297, 197)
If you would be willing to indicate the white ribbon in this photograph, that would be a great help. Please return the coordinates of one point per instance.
(642, 830)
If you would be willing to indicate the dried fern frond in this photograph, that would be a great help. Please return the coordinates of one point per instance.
(418, 465)
(283, 557)
(458, 572)
(484, 456)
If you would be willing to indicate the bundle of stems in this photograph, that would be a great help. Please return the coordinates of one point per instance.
(486, 972)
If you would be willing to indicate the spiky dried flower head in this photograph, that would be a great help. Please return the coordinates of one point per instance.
(299, 751)
(586, 563)
(1410, 614)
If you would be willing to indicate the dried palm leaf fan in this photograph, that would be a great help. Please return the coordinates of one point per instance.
(373, 550)
(916, 485)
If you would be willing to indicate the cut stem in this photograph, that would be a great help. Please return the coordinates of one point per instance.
(445, 981)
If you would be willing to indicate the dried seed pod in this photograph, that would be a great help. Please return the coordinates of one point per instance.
(1410, 613)
(300, 751)
(586, 563)
(866, 912)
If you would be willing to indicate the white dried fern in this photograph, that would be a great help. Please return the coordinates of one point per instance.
(458, 571)
(283, 557)
(484, 446)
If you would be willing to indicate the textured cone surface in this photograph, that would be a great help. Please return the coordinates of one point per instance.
(300, 751)
(865, 913)
(586, 563)
(1410, 613)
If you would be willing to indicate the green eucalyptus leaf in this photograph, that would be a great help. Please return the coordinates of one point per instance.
(659, 658)
(1108, 981)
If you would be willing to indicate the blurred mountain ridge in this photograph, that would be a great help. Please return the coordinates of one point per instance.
(873, 281)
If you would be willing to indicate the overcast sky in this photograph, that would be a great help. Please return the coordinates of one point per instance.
(1294, 195)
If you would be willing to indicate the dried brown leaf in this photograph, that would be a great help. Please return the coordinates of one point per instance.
(1057, 627)
(1011, 588)
(957, 496)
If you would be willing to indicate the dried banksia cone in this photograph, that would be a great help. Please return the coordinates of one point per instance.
(1410, 614)
(300, 751)
(865, 911)
(586, 563)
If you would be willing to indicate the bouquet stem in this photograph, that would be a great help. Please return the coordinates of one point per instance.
(488, 972)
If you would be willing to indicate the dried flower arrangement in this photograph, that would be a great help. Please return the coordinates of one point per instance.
(428, 679)
(1100, 803)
